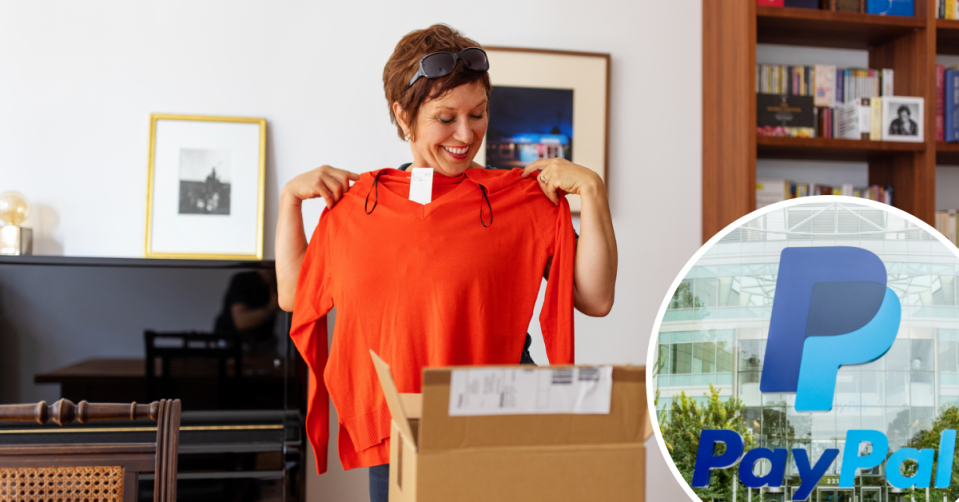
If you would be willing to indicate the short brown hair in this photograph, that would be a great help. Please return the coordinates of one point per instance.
(405, 60)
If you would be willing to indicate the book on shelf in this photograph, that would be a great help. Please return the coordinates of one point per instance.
(847, 121)
(840, 97)
(827, 83)
(946, 224)
(891, 7)
(825, 89)
(887, 80)
(951, 98)
(847, 5)
(785, 115)
(948, 9)
(881, 7)
(771, 191)
(940, 102)
(875, 119)
(865, 118)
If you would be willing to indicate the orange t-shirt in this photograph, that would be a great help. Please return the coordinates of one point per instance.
(425, 285)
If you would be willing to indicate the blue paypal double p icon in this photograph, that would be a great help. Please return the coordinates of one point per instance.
(832, 307)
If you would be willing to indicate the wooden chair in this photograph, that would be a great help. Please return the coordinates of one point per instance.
(202, 369)
(101, 472)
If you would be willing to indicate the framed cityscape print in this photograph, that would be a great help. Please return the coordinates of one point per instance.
(205, 187)
(547, 104)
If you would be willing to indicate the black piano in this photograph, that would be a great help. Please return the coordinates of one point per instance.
(74, 328)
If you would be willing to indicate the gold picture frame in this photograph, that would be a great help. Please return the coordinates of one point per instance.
(151, 249)
(585, 76)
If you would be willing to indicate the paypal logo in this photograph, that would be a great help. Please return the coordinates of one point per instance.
(832, 307)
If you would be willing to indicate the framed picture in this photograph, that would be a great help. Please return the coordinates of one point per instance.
(902, 119)
(205, 187)
(547, 104)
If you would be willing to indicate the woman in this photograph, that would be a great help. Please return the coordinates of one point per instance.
(481, 285)
(904, 125)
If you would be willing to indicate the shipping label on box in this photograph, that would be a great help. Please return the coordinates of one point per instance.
(520, 391)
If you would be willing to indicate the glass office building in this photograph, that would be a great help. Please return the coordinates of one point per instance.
(715, 328)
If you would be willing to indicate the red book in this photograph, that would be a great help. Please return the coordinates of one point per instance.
(770, 3)
(940, 102)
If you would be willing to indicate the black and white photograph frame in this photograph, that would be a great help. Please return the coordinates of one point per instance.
(902, 119)
(205, 187)
(574, 89)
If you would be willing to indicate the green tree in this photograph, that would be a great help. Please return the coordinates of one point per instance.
(686, 419)
(684, 298)
(948, 419)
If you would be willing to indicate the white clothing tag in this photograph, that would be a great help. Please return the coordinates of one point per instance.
(512, 391)
(421, 185)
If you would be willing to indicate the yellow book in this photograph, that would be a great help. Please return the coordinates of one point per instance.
(875, 130)
(950, 9)
(802, 80)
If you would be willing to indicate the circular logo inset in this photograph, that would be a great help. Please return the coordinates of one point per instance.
(810, 351)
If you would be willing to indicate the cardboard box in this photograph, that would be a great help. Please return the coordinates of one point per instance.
(557, 457)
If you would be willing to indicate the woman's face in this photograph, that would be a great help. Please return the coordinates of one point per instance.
(904, 115)
(450, 130)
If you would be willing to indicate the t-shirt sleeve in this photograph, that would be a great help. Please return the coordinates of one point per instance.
(309, 333)
(556, 317)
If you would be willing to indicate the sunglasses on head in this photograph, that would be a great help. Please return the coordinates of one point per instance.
(442, 63)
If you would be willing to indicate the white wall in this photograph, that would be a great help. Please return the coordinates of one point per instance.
(79, 80)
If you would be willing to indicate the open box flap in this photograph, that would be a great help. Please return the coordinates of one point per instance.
(393, 399)
(627, 423)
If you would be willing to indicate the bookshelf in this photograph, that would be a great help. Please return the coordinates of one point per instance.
(908, 45)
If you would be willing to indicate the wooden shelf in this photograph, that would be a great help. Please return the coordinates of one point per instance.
(947, 36)
(823, 28)
(947, 154)
(907, 45)
(775, 147)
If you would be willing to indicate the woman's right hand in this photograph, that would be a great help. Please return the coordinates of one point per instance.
(324, 181)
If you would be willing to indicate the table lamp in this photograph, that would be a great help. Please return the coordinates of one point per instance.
(14, 239)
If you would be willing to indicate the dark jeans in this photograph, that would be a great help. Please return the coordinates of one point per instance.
(380, 483)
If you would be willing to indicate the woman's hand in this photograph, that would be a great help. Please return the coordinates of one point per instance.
(324, 181)
(561, 174)
(597, 259)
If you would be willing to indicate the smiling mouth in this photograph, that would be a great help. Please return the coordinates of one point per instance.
(457, 152)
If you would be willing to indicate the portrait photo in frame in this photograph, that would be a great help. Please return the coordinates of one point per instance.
(205, 187)
(902, 119)
(547, 104)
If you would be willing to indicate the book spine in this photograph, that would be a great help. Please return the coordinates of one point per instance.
(865, 118)
(950, 9)
(825, 90)
(952, 226)
(887, 82)
(952, 100)
(940, 102)
(802, 80)
(840, 96)
(875, 120)
(847, 93)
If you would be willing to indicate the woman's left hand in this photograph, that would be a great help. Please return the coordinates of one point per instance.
(594, 271)
(561, 174)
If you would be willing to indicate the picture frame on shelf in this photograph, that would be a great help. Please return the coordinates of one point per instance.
(205, 187)
(902, 119)
(547, 104)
